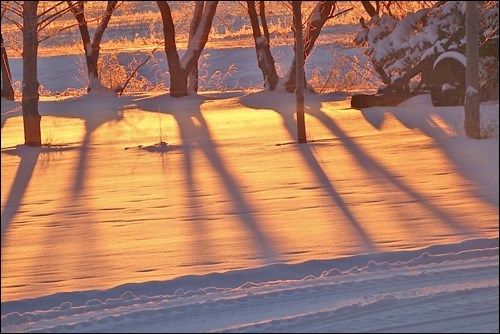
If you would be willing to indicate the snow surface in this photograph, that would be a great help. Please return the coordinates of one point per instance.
(449, 288)
(386, 221)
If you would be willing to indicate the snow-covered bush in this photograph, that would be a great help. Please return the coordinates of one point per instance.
(396, 46)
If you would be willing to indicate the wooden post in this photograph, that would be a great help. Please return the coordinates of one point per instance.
(299, 63)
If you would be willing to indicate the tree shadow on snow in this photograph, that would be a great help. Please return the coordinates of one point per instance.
(196, 136)
(441, 124)
(74, 216)
(258, 101)
(75, 213)
(95, 109)
(29, 158)
(369, 164)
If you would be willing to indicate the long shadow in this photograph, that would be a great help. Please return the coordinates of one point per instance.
(29, 157)
(193, 194)
(322, 178)
(72, 108)
(94, 110)
(427, 124)
(195, 132)
(369, 164)
(74, 215)
(10, 109)
(373, 167)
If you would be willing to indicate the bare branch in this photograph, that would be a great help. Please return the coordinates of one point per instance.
(340, 13)
(262, 12)
(104, 23)
(120, 91)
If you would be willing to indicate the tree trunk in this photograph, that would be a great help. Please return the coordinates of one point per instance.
(96, 43)
(31, 117)
(198, 40)
(264, 57)
(180, 69)
(369, 8)
(262, 13)
(179, 83)
(195, 23)
(7, 90)
(299, 54)
(177, 87)
(472, 118)
(92, 48)
(78, 10)
(321, 13)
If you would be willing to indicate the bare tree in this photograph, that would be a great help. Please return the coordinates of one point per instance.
(472, 118)
(32, 18)
(264, 56)
(183, 68)
(193, 75)
(91, 48)
(321, 13)
(31, 117)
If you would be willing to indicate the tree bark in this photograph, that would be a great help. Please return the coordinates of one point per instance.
(96, 41)
(262, 13)
(78, 11)
(199, 39)
(92, 47)
(321, 13)
(472, 118)
(7, 90)
(264, 56)
(31, 117)
(195, 23)
(178, 79)
(369, 8)
(299, 55)
(180, 69)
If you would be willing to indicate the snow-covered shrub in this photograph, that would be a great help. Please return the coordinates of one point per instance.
(396, 46)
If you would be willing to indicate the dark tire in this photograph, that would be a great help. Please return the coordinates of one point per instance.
(448, 83)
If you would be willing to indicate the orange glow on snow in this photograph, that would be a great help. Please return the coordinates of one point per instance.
(236, 192)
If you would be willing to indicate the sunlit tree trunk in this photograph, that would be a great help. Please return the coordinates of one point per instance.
(193, 75)
(321, 13)
(7, 90)
(299, 55)
(181, 68)
(92, 47)
(472, 118)
(31, 117)
(264, 56)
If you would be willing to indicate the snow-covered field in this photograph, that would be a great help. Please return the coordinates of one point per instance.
(447, 288)
(386, 221)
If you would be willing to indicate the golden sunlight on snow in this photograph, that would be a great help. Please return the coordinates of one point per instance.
(233, 192)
